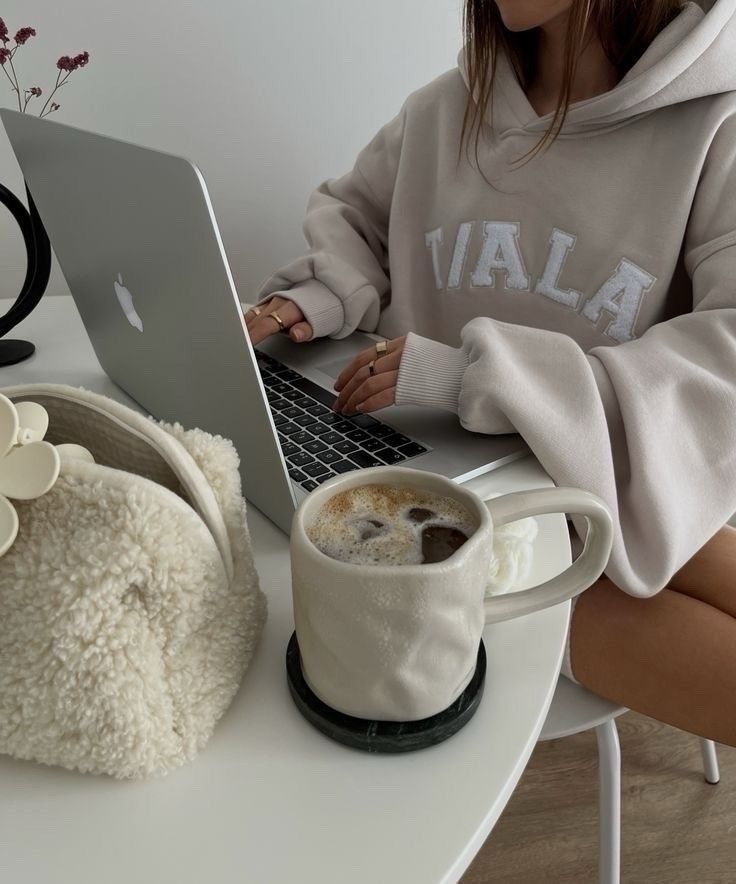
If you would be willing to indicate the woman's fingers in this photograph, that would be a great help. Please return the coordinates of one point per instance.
(251, 315)
(264, 325)
(362, 374)
(364, 358)
(379, 400)
(375, 392)
(302, 331)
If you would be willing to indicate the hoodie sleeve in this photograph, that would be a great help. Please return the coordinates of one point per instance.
(343, 281)
(649, 425)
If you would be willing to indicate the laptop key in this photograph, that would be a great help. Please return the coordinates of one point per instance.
(344, 426)
(309, 388)
(390, 455)
(363, 459)
(304, 401)
(300, 459)
(305, 419)
(289, 448)
(291, 394)
(412, 449)
(364, 421)
(372, 444)
(329, 456)
(297, 476)
(280, 388)
(288, 429)
(286, 374)
(343, 466)
(344, 447)
(358, 436)
(279, 404)
(309, 485)
(331, 437)
(380, 431)
(332, 419)
(314, 447)
(316, 469)
(302, 437)
(324, 478)
(291, 411)
(396, 439)
(321, 430)
(316, 408)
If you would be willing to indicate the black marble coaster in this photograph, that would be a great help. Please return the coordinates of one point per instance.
(383, 736)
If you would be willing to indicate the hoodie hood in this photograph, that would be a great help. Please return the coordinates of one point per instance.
(694, 56)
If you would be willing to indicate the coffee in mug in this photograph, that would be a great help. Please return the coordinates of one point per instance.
(385, 636)
(391, 525)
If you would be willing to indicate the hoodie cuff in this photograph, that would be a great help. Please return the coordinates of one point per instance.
(322, 308)
(430, 374)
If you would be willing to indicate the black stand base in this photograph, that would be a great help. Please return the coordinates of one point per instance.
(383, 736)
(12, 352)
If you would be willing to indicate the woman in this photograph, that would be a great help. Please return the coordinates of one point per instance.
(573, 281)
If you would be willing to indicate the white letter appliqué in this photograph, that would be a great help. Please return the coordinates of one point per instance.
(501, 252)
(621, 295)
(560, 244)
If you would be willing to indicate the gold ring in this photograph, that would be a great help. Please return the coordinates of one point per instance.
(381, 348)
(372, 367)
(278, 319)
(256, 310)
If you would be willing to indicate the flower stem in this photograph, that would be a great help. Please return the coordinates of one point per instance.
(17, 84)
(56, 87)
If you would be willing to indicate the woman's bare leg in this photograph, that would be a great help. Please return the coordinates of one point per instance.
(672, 657)
(710, 575)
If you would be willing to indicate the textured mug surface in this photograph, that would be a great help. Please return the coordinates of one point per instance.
(400, 642)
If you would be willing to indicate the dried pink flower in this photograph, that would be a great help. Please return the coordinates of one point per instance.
(36, 90)
(55, 106)
(82, 59)
(4, 54)
(65, 63)
(24, 34)
(3, 31)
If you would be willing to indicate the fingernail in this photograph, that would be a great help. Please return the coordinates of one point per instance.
(297, 335)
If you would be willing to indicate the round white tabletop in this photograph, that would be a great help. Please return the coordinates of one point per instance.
(271, 799)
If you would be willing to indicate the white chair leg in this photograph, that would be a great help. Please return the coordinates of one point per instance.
(609, 802)
(710, 761)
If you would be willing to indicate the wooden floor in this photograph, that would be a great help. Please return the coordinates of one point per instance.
(677, 829)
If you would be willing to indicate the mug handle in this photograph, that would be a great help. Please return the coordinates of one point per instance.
(584, 571)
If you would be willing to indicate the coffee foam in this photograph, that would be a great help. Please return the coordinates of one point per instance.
(370, 524)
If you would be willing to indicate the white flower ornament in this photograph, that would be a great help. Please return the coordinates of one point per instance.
(29, 467)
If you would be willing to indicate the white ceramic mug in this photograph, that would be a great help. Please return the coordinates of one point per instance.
(400, 642)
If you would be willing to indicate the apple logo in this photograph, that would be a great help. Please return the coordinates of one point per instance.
(126, 302)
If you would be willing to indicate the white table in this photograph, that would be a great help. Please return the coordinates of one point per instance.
(271, 799)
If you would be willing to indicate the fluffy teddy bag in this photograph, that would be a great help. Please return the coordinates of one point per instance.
(129, 603)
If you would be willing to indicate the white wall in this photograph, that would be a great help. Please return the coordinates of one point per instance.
(268, 97)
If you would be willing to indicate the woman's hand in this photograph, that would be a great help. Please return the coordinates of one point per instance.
(361, 390)
(261, 324)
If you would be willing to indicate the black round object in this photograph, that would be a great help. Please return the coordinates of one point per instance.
(38, 270)
(15, 351)
(383, 736)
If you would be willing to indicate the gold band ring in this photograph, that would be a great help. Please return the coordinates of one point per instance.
(278, 319)
(372, 367)
(381, 349)
(256, 310)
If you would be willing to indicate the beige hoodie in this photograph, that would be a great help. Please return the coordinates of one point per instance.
(588, 302)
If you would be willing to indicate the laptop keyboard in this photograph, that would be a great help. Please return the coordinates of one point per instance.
(318, 443)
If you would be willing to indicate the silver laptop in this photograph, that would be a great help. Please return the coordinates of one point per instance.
(137, 240)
